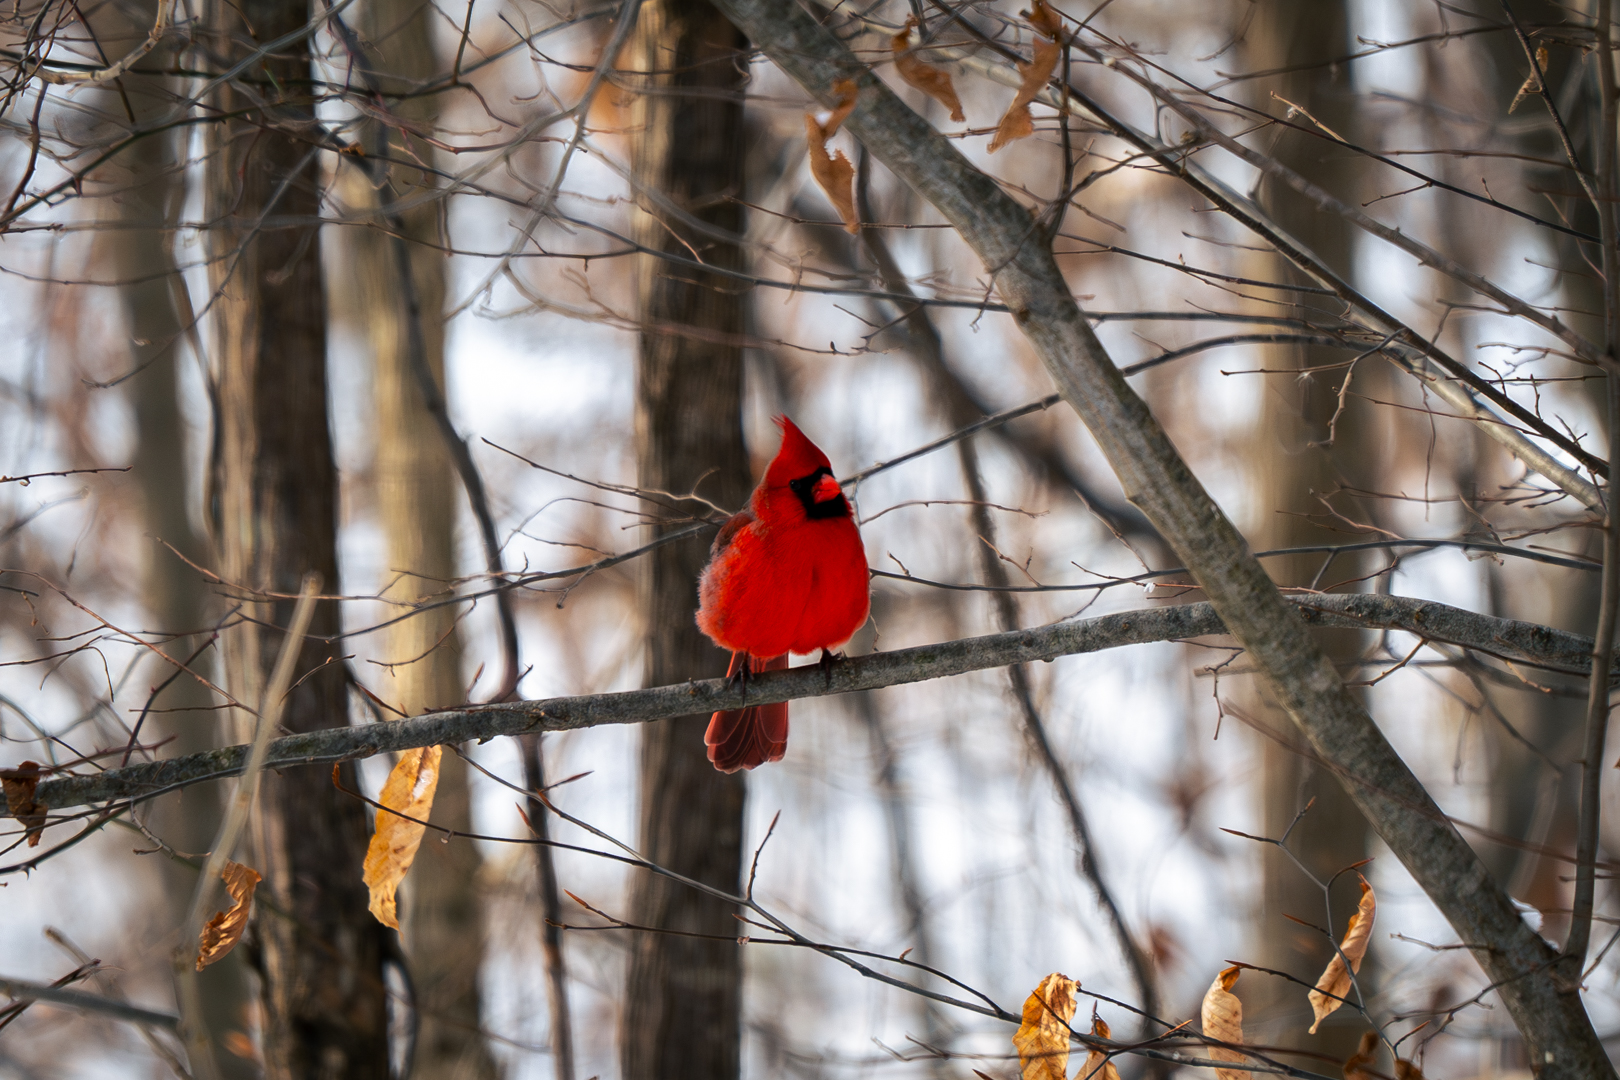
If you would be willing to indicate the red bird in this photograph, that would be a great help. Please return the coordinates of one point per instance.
(786, 575)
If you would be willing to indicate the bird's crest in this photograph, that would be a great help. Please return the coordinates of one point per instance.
(797, 458)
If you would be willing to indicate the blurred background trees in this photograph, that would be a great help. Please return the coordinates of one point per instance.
(247, 268)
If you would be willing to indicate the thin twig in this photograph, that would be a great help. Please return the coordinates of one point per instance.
(255, 757)
(562, 1028)
(1597, 703)
(24, 990)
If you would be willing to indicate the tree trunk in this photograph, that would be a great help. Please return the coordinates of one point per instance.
(1294, 463)
(682, 1013)
(275, 502)
(417, 501)
(140, 250)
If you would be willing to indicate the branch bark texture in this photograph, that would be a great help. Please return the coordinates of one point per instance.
(1548, 1012)
(1520, 642)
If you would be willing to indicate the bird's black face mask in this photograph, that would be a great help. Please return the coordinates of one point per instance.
(821, 495)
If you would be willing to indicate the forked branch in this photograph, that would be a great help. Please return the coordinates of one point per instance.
(1291, 665)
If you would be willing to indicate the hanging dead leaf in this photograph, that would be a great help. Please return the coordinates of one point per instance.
(1359, 1065)
(19, 784)
(1016, 122)
(224, 930)
(1044, 19)
(1098, 1066)
(409, 790)
(1531, 84)
(239, 1044)
(1334, 984)
(1222, 1017)
(1043, 1038)
(1405, 1070)
(931, 80)
(835, 174)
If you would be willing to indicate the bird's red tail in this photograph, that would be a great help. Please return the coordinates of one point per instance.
(744, 738)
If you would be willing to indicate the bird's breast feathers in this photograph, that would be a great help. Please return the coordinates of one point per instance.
(777, 588)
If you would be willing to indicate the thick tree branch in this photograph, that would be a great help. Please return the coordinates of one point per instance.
(1520, 642)
(929, 349)
(1547, 1011)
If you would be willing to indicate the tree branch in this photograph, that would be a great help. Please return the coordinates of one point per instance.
(1597, 701)
(1520, 642)
(1419, 350)
(23, 990)
(1292, 666)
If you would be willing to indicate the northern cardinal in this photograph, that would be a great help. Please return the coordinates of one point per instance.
(787, 574)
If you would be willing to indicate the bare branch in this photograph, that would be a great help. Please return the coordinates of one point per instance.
(1515, 641)
(1419, 351)
(1291, 664)
(1597, 702)
(31, 991)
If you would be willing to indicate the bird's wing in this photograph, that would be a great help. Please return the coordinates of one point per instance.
(728, 532)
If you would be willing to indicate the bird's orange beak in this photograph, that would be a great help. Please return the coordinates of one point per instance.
(826, 488)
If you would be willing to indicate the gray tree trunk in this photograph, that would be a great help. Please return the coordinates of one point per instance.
(683, 1004)
(275, 506)
(1291, 463)
(141, 252)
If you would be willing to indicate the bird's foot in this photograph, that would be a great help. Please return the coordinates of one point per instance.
(742, 671)
(826, 663)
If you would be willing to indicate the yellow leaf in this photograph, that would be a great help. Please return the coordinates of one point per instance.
(933, 81)
(409, 790)
(1043, 1038)
(1016, 123)
(835, 174)
(1098, 1066)
(224, 930)
(1334, 984)
(1222, 1017)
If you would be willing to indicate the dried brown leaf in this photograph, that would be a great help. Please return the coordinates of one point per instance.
(1016, 122)
(931, 80)
(19, 784)
(1044, 19)
(1334, 984)
(1360, 1065)
(1043, 1038)
(224, 930)
(1531, 84)
(239, 1044)
(409, 790)
(834, 173)
(1405, 1070)
(1222, 1018)
(1098, 1066)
